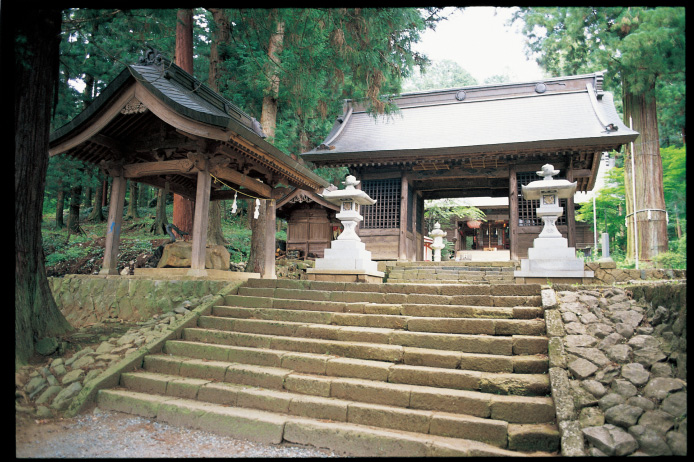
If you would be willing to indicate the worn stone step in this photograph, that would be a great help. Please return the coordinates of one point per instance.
(349, 325)
(491, 375)
(519, 409)
(440, 288)
(378, 320)
(386, 343)
(316, 363)
(494, 432)
(324, 310)
(331, 301)
(274, 428)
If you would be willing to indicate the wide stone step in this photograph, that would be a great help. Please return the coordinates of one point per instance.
(272, 427)
(491, 375)
(510, 408)
(393, 321)
(351, 329)
(394, 309)
(332, 300)
(489, 431)
(386, 344)
(507, 289)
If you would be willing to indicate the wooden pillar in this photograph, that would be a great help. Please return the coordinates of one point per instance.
(513, 210)
(115, 219)
(402, 245)
(200, 220)
(570, 210)
(270, 233)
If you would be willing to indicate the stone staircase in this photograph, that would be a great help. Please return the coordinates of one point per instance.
(451, 272)
(365, 369)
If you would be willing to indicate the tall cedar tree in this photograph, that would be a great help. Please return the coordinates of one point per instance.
(638, 47)
(184, 209)
(37, 45)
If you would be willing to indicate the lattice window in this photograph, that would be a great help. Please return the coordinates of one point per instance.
(385, 213)
(526, 208)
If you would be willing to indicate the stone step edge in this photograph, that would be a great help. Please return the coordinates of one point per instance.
(381, 297)
(415, 288)
(369, 308)
(415, 324)
(489, 431)
(537, 383)
(346, 319)
(393, 348)
(266, 427)
(537, 409)
(266, 300)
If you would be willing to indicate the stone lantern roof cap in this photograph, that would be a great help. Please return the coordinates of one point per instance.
(534, 190)
(349, 193)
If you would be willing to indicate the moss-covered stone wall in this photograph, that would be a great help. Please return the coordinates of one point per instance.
(87, 299)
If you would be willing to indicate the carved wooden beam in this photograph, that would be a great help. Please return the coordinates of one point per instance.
(166, 167)
(242, 180)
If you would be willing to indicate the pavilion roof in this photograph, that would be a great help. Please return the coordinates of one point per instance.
(504, 121)
(154, 110)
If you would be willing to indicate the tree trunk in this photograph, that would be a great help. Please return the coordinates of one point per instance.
(648, 174)
(184, 209)
(97, 214)
(268, 117)
(132, 203)
(59, 205)
(215, 236)
(160, 218)
(35, 73)
(256, 260)
(73, 218)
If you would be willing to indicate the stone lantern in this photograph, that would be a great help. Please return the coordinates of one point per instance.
(347, 258)
(437, 234)
(550, 255)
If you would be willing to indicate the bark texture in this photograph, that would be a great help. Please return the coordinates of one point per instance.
(652, 226)
(184, 209)
(35, 73)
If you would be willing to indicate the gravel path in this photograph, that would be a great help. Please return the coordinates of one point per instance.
(101, 434)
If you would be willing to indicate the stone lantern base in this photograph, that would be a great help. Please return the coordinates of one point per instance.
(346, 261)
(552, 258)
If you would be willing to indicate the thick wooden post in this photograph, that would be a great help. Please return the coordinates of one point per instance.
(402, 245)
(270, 232)
(115, 219)
(201, 216)
(570, 210)
(513, 210)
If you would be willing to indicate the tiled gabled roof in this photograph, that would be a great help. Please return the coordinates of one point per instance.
(566, 112)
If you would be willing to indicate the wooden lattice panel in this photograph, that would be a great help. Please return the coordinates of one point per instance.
(385, 213)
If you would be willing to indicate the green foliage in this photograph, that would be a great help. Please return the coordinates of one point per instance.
(441, 74)
(676, 257)
(639, 47)
(446, 209)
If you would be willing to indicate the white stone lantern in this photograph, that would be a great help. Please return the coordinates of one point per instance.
(550, 255)
(347, 258)
(437, 234)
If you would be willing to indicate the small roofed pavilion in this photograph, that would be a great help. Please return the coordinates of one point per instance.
(155, 123)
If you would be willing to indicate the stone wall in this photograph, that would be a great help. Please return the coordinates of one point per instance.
(608, 273)
(87, 299)
(618, 368)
